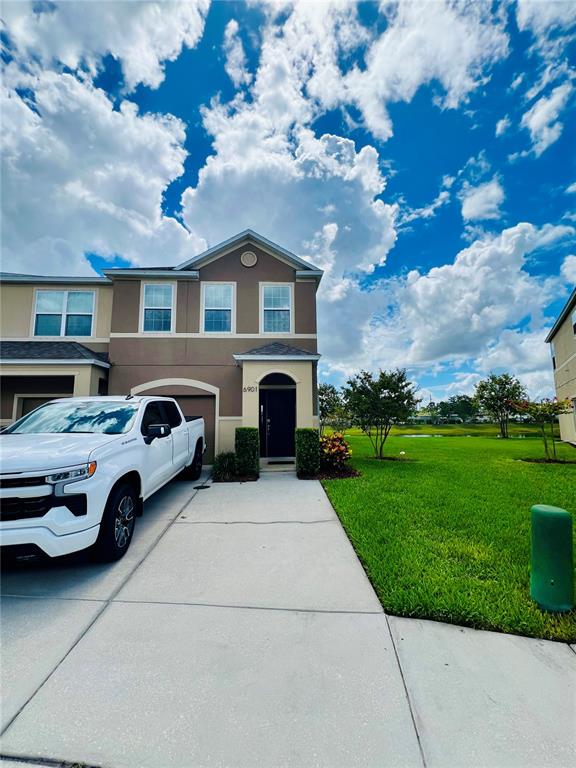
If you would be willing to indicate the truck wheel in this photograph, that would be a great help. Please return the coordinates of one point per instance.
(194, 471)
(117, 524)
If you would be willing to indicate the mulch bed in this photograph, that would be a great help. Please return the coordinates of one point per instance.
(348, 472)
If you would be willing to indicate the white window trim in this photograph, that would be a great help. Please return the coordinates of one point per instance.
(292, 310)
(64, 313)
(203, 285)
(143, 285)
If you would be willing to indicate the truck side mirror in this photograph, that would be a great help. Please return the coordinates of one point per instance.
(157, 431)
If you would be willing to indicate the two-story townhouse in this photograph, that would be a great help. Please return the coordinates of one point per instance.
(55, 333)
(230, 333)
(562, 340)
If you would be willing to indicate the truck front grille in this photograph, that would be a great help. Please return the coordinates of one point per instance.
(21, 482)
(25, 509)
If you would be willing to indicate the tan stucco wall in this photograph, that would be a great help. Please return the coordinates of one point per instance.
(302, 374)
(17, 308)
(227, 433)
(565, 375)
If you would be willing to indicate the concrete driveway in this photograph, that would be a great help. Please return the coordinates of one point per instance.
(240, 630)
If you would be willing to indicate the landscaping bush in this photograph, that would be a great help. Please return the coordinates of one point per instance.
(224, 467)
(307, 452)
(335, 453)
(247, 444)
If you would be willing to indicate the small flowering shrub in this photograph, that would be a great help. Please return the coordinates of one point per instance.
(334, 453)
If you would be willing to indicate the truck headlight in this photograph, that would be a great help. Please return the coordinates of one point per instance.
(73, 475)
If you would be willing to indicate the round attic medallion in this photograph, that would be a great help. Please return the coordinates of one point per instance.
(248, 258)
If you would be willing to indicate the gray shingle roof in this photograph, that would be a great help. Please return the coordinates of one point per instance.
(276, 348)
(48, 350)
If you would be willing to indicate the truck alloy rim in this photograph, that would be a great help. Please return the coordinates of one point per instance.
(124, 521)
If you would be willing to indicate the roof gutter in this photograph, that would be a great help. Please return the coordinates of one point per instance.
(276, 358)
(32, 361)
(152, 273)
(570, 304)
(10, 277)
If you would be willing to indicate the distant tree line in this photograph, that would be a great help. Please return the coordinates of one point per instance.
(375, 402)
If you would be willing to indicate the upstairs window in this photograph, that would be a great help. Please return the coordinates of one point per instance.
(574, 322)
(553, 353)
(277, 308)
(64, 313)
(218, 301)
(158, 307)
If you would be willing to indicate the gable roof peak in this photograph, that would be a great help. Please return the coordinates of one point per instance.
(251, 236)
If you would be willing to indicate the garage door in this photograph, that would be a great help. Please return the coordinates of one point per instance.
(205, 406)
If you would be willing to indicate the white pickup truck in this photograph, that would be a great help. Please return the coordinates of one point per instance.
(75, 472)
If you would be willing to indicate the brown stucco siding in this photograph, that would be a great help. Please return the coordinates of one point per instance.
(187, 306)
(228, 378)
(200, 351)
(126, 306)
(305, 307)
(228, 268)
(94, 346)
(247, 279)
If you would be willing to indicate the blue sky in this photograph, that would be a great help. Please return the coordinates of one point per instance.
(421, 153)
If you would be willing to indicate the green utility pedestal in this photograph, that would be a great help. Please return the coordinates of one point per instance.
(552, 572)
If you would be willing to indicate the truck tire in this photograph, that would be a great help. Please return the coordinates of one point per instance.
(117, 526)
(194, 471)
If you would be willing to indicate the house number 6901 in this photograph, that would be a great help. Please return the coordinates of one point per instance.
(250, 389)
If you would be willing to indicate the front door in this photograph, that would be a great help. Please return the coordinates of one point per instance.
(277, 422)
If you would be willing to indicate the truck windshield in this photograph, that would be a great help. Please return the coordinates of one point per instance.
(100, 418)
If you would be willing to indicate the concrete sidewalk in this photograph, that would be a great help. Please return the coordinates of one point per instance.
(241, 630)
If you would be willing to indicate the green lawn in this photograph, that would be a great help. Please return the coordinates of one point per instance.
(445, 533)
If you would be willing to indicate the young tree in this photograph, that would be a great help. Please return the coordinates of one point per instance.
(497, 395)
(376, 404)
(545, 413)
(329, 404)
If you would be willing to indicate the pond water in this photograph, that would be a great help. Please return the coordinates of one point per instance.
(421, 435)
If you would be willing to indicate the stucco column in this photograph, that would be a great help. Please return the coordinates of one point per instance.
(82, 380)
(250, 395)
(304, 397)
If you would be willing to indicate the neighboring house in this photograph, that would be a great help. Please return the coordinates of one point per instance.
(230, 333)
(562, 340)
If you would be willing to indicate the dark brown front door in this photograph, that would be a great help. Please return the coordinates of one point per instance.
(277, 422)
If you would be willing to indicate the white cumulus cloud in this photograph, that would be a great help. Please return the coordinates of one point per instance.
(451, 43)
(542, 121)
(141, 35)
(483, 201)
(236, 64)
(569, 269)
(502, 126)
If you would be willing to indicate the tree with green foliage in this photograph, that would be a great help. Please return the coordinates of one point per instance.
(496, 395)
(461, 405)
(329, 404)
(545, 413)
(375, 404)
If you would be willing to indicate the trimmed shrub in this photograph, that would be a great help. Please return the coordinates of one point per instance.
(307, 452)
(247, 444)
(334, 453)
(224, 467)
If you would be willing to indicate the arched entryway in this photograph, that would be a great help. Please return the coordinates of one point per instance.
(277, 416)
